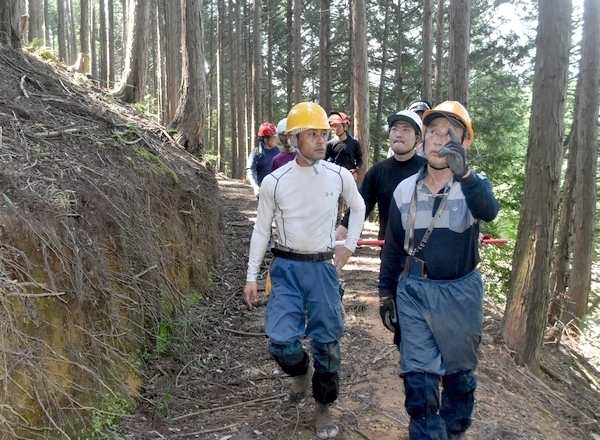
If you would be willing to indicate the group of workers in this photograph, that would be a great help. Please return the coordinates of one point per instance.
(430, 207)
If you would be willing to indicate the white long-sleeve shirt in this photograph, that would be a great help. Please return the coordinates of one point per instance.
(303, 201)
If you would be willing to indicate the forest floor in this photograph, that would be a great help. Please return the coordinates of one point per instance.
(219, 381)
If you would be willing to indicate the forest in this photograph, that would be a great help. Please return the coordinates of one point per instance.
(212, 71)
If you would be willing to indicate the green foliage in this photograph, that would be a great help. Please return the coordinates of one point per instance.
(157, 166)
(120, 136)
(148, 107)
(105, 421)
(495, 267)
(163, 338)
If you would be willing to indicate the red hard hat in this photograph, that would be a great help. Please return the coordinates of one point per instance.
(343, 118)
(267, 129)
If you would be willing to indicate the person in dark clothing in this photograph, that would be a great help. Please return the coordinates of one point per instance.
(343, 150)
(259, 160)
(429, 277)
(405, 133)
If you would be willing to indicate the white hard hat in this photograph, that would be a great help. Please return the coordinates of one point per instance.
(281, 125)
(409, 116)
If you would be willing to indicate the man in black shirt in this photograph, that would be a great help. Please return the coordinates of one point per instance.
(405, 133)
(343, 150)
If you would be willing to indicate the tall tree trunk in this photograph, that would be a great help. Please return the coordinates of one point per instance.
(72, 34)
(239, 107)
(460, 26)
(47, 41)
(297, 22)
(111, 43)
(587, 156)
(103, 43)
(84, 37)
(234, 82)
(93, 39)
(427, 50)
(270, 12)
(325, 55)
(349, 104)
(257, 61)
(564, 242)
(220, 88)
(382, 85)
(289, 20)
(399, 74)
(10, 23)
(527, 305)
(439, 51)
(133, 84)
(61, 30)
(172, 57)
(36, 20)
(191, 112)
(361, 82)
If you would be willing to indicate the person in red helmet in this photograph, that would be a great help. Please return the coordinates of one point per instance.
(259, 161)
(343, 150)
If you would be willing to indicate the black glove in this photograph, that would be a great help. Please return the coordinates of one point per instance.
(389, 316)
(455, 154)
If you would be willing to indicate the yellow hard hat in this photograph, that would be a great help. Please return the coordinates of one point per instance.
(306, 115)
(454, 112)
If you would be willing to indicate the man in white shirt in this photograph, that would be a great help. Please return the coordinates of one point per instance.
(302, 198)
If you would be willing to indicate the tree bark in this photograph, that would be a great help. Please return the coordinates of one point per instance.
(460, 26)
(382, 86)
(289, 53)
(297, 22)
(399, 74)
(427, 50)
(191, 113)
(439, 51)
(527, 304)
(47, 41)
(325, 55)
(61, 30)
(361, 82)
(257, 61)
(36, 21)
(10, 24)
(133, 84)
(84, 37)
(103, 43)
(587, 156)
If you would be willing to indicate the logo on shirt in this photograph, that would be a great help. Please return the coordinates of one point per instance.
(327, 194)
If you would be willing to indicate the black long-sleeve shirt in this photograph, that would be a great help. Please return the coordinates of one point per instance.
(379, 184)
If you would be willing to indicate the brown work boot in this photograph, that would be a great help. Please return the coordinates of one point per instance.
(299, 388)
(325, 427)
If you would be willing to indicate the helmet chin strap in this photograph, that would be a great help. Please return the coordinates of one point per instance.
(406, 152)
(438, 168)
(294, 146)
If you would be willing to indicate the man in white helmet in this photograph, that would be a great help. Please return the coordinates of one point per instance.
(404, 133)
(288, 152)
(419, 106)
(302, 197)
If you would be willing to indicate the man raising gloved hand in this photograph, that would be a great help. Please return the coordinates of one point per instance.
(455, 154)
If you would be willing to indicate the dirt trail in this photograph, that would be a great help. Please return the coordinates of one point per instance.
(224, 385)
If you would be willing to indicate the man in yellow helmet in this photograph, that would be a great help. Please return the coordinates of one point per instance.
(302, 197)
(429, 276)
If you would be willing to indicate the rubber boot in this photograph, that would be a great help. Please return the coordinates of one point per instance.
(325, 427)
(299, 388)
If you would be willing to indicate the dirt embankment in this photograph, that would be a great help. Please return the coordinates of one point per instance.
(107, 227)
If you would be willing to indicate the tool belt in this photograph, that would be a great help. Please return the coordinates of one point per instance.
(290, 254)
